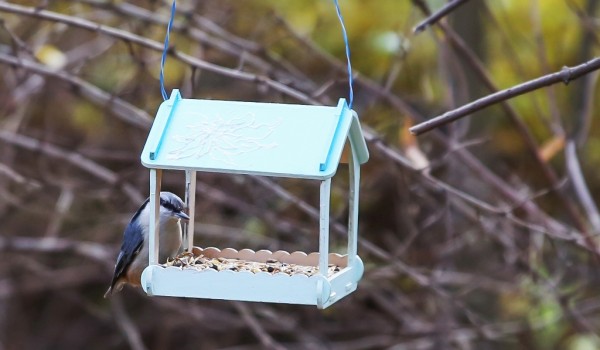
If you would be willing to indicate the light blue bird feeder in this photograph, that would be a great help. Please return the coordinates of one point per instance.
(282, 140)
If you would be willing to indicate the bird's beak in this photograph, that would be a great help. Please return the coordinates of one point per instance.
(182, 216)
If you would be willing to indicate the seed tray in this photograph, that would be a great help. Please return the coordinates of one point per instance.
(201, 262)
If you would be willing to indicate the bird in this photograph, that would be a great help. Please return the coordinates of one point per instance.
(133, 257)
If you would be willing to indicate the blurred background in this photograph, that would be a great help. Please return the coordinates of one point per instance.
(482, 234)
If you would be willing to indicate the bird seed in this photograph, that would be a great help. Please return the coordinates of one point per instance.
(200, 262)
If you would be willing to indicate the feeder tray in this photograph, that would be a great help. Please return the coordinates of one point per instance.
(243, 275)
(247, 260)
(281, 140)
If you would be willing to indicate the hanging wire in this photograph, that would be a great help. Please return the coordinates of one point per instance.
(350, 78)
(164, 54)
(166, 50)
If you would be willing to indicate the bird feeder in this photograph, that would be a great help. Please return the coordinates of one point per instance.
(267, 139)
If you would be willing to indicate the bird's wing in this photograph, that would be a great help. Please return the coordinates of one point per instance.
(133, 240)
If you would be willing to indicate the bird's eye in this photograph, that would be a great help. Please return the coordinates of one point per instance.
(167, 205)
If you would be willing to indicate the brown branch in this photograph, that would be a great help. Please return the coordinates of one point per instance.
(122, 109)
(257, 329)
(92, 250)
(129, 329)
(6, 171)
(233, 46)
(55, 280)
(61, 210)
(505, 190)
(565, 75)
(476, 64)
(580, 186)
(154, 45)
(469, 56)
(227, 200)
(75, 159)
(499, 330)
(542, 222)
(439, 14)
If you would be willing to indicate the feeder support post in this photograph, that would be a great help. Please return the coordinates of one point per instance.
(155, 184)
(325, 192)
(190, 204)
(354, 189)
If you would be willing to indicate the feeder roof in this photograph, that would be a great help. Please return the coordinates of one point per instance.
(252, 138)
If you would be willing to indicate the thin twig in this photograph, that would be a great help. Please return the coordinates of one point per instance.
(583, 96)
(439, 14)
(75, 159)
(6, 171)
(227, 200)
(54, 280)
(129, 329)
(265, 338)
(61, 210)
(580, 186)
(565, 75)
(234, 46)
(154, 45)
(420, 278)
(534, 213)
(505, 190)
(498, 330)
(531, 145)
(122, 109)
(92, 250)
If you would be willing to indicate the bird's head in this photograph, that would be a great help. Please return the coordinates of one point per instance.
(171, 206)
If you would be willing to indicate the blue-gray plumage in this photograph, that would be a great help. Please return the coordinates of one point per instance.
(133, 257)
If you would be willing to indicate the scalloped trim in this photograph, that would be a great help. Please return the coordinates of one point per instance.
(261, 274)
(297, 257)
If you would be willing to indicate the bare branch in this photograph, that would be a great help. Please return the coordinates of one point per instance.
(124, 110)
(467, 226)
(63, 205)
(75, 159)
(18, 178)
(129, 329)
(439, 14)
(234, 46)
(499, 185)
(60, 279)
(565, 75)
(265, 338)
(580, 186)
(477, 65)
(92, 250)
(154, 45)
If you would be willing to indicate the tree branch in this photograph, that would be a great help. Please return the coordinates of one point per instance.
(439, 14)
(96, 251)
(257, 329)
(565, 75)
(154, 45)
(75, 159)
(580, 186)
(122, 109)
(129, 329)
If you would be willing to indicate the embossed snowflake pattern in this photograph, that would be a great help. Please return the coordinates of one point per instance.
(224, 138)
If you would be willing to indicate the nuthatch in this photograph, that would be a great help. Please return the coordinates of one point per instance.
(133, 257)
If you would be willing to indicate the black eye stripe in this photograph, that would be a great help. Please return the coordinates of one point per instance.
(170, 206)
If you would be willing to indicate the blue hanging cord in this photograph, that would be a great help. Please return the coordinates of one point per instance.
(164, 54)
(166, 50)
(350, 78)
